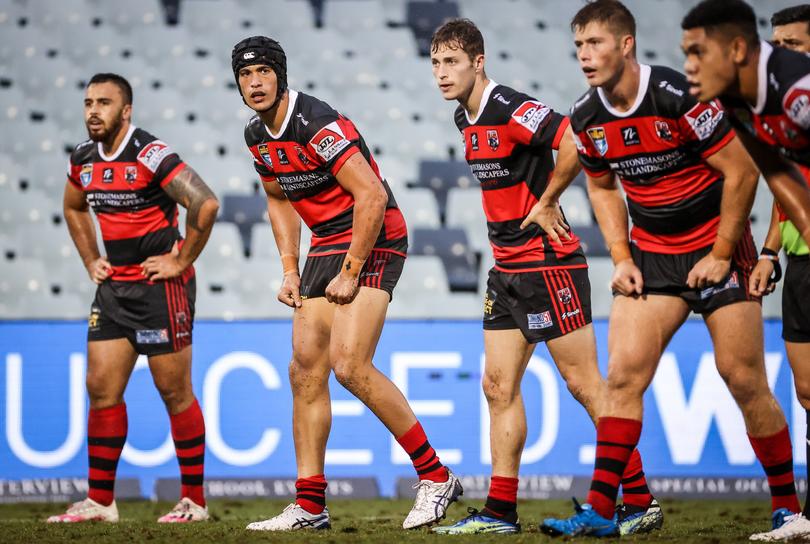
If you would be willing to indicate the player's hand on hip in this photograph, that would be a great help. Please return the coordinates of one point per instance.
(627, 279)
(163, 267)
(708, 271)
(548, 215)
(290, 292)
(760, 284)
(342, 289)
(99, 270)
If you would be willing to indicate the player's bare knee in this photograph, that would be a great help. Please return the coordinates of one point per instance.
(623, 381)
(498, 390)
(803, 391)
(745, 387)
(99, 392)
(347, 372)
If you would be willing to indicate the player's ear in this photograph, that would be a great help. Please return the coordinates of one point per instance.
(126, 112)
(628, 45)
(739, 49)
(479, 63)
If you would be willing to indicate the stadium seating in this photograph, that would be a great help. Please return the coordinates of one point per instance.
(367, 58)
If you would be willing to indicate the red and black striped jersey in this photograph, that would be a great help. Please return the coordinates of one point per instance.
(781, 116)
(509, 149)
(304, 158)
(138, 219)
(658, 149)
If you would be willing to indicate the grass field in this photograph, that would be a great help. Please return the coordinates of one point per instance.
(357, 522)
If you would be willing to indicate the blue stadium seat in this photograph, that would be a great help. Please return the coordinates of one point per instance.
(593, 244)
(244, 211)
(441, 176)
(451, 246)
(425, 17)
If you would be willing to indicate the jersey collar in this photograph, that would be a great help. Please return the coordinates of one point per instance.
(765, 50)
(643, 83)
(121, 147)
(484, 100)
(293, 96)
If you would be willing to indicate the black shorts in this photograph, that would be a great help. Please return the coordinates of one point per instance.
(666, 274)
(155, 317)
(796, 300)
(381, 271)
(544, 305)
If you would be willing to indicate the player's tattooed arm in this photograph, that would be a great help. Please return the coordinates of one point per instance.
(83, 232)
(546, 212)
(191, 192)
(785, 181)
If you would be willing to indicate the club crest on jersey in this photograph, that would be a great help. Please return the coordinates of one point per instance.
(86, 174)
(301, 155)
(539, 321)
(264, 153)
(630, 136)
(662, 131)
(492, 139)
(474, 141)
(107, 175)
(564, 295)
(131, 174)
(597, 136)
(329, 141)
(282, 156)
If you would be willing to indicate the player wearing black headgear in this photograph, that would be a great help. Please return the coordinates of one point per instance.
(315, 166)
(261, 50)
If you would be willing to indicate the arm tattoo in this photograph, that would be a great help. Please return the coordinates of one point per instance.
(190, 191)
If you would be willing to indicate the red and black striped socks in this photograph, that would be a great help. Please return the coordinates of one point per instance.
(502, 499)
(106, 435)
(425, 460)
(310, 493)
(188, 432)
(634, 485)
(616, 438)
(776, 455)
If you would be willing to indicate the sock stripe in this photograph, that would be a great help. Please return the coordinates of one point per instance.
(190, 443)
(634, 478)
(115, 442)
(103, 464)
(190, 461)
(420, 451)
(435, 466)
(783, 490)
(604, 488)
(615, 445)
(615, 466)
(779, 469)
(640, 490)
(106, 485)
(191, 479)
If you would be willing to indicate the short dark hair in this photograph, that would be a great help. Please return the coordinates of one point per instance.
(460, 32)
(120, 81)
(795, 14)
(733, 17)
(611, 12)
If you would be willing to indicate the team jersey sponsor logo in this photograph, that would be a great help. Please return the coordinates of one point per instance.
(282, 156)
(131, 174)
(300, 117)
(249, 55)
(153, 154)
(703, 118)
(732, 282)
(666, 85)
(539, 321)
(151, 336)
(492, 139)
(630, 136)
(329, 141)
(107, 175)
(474, 141)
(530, 114)
(799, 109)
(572, 313)
(86, 174)
(564, 295)
(264, 153)
(599, 139)
(500, 98)
(662, 131)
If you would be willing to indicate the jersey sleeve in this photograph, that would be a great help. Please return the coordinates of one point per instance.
(534, 124)
(796, 103)
(160, 162)
(332, 139)
(591, 159)
(74, 173)
(705, 128)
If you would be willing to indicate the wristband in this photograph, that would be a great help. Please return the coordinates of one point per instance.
(289, 263)
(352, 265)
(772, 256)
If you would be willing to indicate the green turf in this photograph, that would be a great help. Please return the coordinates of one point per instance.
(357, 522)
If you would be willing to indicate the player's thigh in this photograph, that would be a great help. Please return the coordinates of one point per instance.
(357, 327)
(736, 331)
(172, 371)
(574, 354)
(109, 365)
(506, 354)
(640, 328)
(312, 325)
(799, 357)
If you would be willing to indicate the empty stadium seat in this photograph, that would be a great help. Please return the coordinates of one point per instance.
(419, 208)
(464, 209)
(425, 17)
(224, 247)
(600, 272)
(263, 243)
(244, 211)
(593, 243)
(354, 16)
(576, 207)
(422, 275)
(441, 176)
(451, 246)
